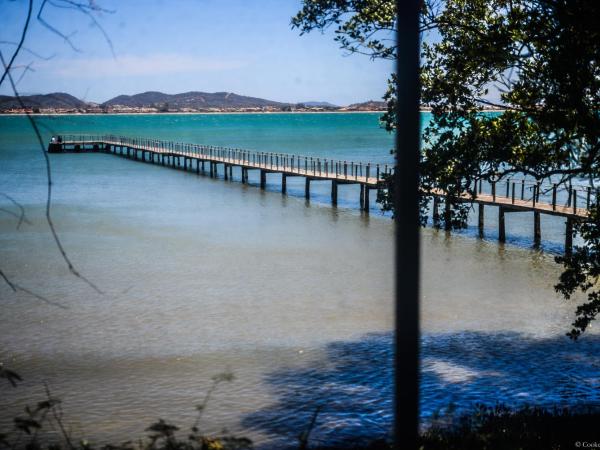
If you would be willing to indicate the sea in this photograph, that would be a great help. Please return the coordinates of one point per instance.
(263, 308)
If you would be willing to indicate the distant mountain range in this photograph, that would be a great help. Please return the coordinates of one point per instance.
(55, 100)
(161, 102)
(194, 100)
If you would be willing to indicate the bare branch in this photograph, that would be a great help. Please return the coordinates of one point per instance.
(49, 190)
(28, 50)
(85, 9)
(66, 38)
(17, 287)
(19, 45)
(22, 217)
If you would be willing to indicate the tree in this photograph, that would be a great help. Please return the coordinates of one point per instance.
(538, 60)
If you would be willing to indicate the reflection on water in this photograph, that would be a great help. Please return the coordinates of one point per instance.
(202, 276)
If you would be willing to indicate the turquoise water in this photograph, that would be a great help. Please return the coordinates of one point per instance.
(201, 276)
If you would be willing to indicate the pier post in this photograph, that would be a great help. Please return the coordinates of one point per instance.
(212, 169)
(283, 183)
(230, 172)
(366, 203)
(447, 214)
(197, 167)
(537, 230)
(435, 216)
(569, 237)
(501, 225)
(334, 192)
(226, 171)
(362, 196)
(263, 179)
(244, 175)
(307, 188)
(481, 219)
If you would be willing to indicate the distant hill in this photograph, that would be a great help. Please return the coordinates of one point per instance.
(192, 100)
(153, 101)
(371, 105)
(54, 100)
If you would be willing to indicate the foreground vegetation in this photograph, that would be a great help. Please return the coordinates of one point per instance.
(489, 428)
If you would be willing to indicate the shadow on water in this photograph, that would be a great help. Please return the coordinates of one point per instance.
(351, 382)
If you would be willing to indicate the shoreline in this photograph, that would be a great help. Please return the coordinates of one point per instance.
(205, 113)
(191, 113)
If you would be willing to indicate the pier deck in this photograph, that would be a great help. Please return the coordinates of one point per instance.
(368, 176)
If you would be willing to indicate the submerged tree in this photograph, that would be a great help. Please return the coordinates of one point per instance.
(536, 59)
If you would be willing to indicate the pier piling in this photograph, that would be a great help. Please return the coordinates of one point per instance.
(481, 219)
(263, 179)
(501, 224)
(537, 231)
(569, 237)
(334, 192)
(504, 196)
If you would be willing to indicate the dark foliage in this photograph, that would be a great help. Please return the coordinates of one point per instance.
(537, 60)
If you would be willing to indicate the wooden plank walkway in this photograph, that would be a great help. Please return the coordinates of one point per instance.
(368, 176)
(518, 205)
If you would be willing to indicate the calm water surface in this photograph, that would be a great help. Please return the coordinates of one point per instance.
(202, 276)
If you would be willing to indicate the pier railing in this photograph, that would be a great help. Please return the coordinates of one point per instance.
(573, 198)
(280, 162)
(508, 194)
(518, 193)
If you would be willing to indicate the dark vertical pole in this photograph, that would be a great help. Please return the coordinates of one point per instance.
(283, 183)
(481, 219)
(307, 189)
(263, 179)
(362, 196)
(436, 211)
(587, 201)
(334, 190)
(501, 225)
(447, 214)
(406, 203)
(569, 237)
(537, 229)
(522, 189)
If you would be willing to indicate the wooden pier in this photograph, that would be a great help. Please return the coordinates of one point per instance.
(508, 196)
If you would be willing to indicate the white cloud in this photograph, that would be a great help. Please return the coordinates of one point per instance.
(131, 65)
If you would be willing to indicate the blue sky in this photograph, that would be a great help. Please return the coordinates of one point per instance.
(242, 46)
